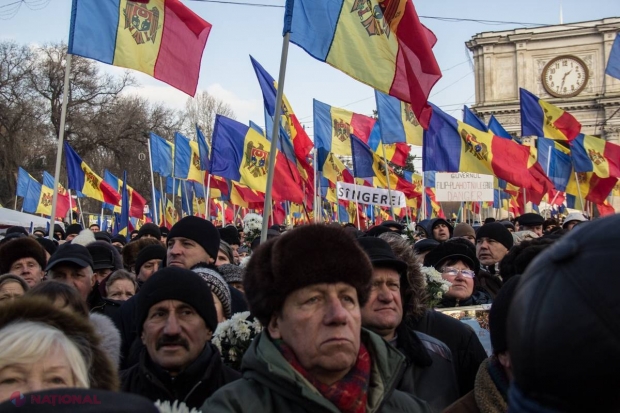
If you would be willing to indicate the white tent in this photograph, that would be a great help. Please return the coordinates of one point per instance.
(10, 218)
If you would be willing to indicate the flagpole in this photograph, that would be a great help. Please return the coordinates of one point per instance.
(70, 207)
(524, 201)
(579, 190)
(155, 212)
(387, 178)
(208, 191)
(357, 207)
(274, 138)
(15, 209)
(61, 138)
(184, 192)
(174, 190)
(161, 201)
(423, 195)
(81, 212)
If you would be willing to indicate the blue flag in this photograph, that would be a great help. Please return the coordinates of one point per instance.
(161, 155)
(498, 129)
(362, 159)
(613, 64)
(203, 149)
(471, 119)
(122, 224)
(23, 179)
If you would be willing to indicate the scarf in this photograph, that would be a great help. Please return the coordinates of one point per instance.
(349, 394)
(491, 387)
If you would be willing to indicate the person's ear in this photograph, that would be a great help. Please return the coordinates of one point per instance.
(274, 327)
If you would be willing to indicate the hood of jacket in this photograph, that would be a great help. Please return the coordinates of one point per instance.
(264, 363)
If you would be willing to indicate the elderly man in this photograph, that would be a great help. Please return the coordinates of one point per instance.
(23, 257)
(493, 241)
(306, 287)
(573, 219)
(531, 222)
(176, 318)
(72, 264)
(430, 373)
(192, 240)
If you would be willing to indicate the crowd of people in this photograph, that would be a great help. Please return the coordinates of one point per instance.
(346, 320)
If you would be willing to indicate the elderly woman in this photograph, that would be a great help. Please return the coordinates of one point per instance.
(458, 264)
(12, 286)
(120, 286)
(42, 347)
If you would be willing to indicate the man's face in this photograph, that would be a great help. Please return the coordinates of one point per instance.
(570, 224)
(489, 251)
(58, 235)
(174, 335)
(29, 269)
(101, 274)
(236, 256)
(94, 228)
(38, 234)
(185, 253)
(441, 232)
(469, 238)
(70, 237)
(148, 268)
(537, 229)
(322, 324)
(384, 310)
(82, 279)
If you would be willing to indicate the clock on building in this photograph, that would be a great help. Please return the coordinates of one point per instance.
(565, 76)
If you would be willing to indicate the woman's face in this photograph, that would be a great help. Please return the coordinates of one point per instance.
(222, 259)
(121, 290)
(219, 308)
(11, 290)
(51, 372)
(462, 286)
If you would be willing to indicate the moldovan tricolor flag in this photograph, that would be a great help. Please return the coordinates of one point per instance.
(378, 42)
(162, 38)
(541, 118)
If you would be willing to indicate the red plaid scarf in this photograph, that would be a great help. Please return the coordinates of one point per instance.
(349, 394)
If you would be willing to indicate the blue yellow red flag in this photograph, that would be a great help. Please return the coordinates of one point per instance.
(161, 155)
(592, 154)
(497, 128)
(541, 118)
(136, 201)
(380, 43)
(187, 160)
(470, 118)
(122, 224)
(555, 161)
(83, 179)
(397, 120)
(162, 38)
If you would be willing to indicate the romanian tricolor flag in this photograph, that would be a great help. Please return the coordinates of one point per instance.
(380, 43)
(540, 118)
(397, 120)
(453, 146)
(334, 126)
(162, 38)
(83, 179)
(187, 163)
(592, 154)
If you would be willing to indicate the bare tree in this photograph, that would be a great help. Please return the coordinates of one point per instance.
(201, 111)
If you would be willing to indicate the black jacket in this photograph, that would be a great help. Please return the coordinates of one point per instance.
(429, 370)
(192, 386)
(478, 297)
(467, 352)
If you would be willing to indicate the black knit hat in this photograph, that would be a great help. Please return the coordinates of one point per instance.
(377, 230)
(103, 236)
(381, 254)
(18, 248)
(231, 273)
(304, 256)
(230, 235)
(119, 238)
(49, 245)
(425, 244)
(73, 229)
(391, 223)
(530, 219)
(200, 231)
(457, 249)
(498, 316)
(149, 229)
(151, 252)
(563, 329)
(496, 231)
(17, 229)
(174, 283)
(164, 231)
(72, 253)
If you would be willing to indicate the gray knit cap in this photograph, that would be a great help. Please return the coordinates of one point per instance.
(231, 273)
(218, 287)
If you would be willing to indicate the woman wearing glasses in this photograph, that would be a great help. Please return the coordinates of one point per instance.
(457, 263)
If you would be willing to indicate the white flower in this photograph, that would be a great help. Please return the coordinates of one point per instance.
(232, 354)
(411, 227)
(176, 407)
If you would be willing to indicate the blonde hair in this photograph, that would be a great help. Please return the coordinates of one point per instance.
(28, 342)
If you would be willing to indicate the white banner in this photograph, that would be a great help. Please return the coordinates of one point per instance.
(463, 187)
(368, 195)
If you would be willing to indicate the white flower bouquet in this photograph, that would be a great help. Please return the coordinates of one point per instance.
(436, 286)
(234, 336)
(252, 226)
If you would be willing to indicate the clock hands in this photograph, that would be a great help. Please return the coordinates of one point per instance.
(564, 78)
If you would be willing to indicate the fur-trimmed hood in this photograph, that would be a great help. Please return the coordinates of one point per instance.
(102, 372)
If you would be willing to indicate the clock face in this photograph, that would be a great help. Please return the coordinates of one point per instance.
(565, 76)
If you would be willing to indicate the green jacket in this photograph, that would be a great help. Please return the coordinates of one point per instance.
(270, 384)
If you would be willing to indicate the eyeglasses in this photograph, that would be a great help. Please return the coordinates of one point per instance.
(453, 272)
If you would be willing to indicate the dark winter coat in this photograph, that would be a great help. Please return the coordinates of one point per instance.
(192, 386)
(429, 372)
(478, 297)
(488, 282)
(467, 352)
(271, 384)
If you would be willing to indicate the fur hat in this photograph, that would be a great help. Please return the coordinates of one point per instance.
(18, 248)
(102, 372)
(231, 273)
(174, 283)
(304, 256)
(217, 285)
(496, 231)
(198, 230)
(149, 229)
(85, 237)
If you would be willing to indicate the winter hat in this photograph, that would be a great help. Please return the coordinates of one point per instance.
(59, 228)
(103, 236)
(463, 229)
(230, 235)
(42, 230)
(16, 230)
(18, 248)
(424, 245)
(452, 250)
(436, 221)
(199, 230)
(381, 254)
(85, 237)
(164, 231)
(49, 245)
(73, 253)
(391, 223)
(498, 232)
(231, 273)
(119, 238)
(104, 255)
(304, 256)
(73, 229)
(508, 224)
(150, 229)
(574, 216)
(217, 285)
(151, 252)
(498, 316)
(563, 328)
(12, 236)
(530, 219)
(174, 283)
(377, 230)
